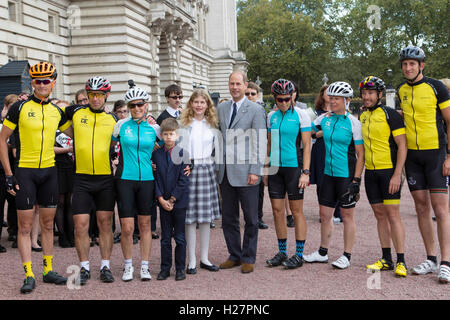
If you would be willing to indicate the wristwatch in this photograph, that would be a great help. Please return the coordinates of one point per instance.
(306, 172)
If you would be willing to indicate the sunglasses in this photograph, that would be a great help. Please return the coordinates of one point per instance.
(369, 84)
(134, 105)
(96, 95)
(250, 94)
(280, 100)
(176, 97)
(42, 81)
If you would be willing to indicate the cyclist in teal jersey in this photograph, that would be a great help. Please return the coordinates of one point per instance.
(136, 181)
(344, 163)
(288, 129)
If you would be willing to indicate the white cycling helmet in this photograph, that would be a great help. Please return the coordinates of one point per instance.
(340, 89)
(98, 83)
(135, 93)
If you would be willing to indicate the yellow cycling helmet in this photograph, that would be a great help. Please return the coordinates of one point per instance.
(43, 69)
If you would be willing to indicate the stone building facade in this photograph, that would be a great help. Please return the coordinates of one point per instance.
(154, 42)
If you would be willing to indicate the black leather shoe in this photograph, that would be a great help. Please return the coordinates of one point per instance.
(191, 271)
(180, 275)
(262, 225)
(2, 249)
(36, 249)
(163, 275)
(209, 268)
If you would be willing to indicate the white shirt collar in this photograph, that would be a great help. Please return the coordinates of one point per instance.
(172, 111)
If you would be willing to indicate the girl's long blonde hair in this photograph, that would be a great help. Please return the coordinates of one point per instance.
(187, 115)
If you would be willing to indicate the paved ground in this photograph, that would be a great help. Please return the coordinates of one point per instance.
(311, 281)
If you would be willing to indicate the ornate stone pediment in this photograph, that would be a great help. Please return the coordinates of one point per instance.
(164, 18)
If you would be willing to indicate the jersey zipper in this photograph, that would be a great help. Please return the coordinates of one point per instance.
(279, 139)
(414, 120)
(42, 135)
(93, 135)
(370, 140)
(139, 162)
(331, 147)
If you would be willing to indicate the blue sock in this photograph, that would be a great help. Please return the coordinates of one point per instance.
(282, 245)
(300, 245)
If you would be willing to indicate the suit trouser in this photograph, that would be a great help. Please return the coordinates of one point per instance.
(173, 221)
(260, 200)
(248, 198)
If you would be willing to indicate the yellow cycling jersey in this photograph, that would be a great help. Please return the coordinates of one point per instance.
(422, 103)
(92, 139)
(379, 127)
(35, 126)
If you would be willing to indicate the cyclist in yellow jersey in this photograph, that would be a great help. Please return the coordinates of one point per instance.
(34, 123)
(93, 182)
(385, 149)
(425, 103)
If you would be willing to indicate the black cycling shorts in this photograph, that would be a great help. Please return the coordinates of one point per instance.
(92, 190)
(424, 170)
(332, 189)
(377, 187)
(37, 186)
(285, 180)
(134, 197)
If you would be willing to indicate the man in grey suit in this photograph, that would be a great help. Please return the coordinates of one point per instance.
(243, 127)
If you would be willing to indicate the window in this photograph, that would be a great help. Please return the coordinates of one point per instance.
(53, 22)
(14, 12)
(11, 55)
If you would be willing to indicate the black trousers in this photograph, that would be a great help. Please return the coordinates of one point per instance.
(173, 221)
(260, 201)
(247, 197)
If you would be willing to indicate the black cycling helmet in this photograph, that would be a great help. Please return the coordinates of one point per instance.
(282, 87)
(372, 83)
(412, 52)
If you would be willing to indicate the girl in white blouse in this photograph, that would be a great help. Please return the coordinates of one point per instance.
(199, 121)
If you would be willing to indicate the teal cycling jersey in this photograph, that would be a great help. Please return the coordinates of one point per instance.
(136, 146)
(340, 133)
(286, 139)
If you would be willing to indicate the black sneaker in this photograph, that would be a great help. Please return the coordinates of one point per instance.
(279, 258)
(117, 238)
(84, 276)
(293, 262)
(53, 277)
(28, 285)
(290, 221)
(2, 249)
(106, 275)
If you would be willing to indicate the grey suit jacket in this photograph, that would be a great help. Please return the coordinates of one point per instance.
(244, 143)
